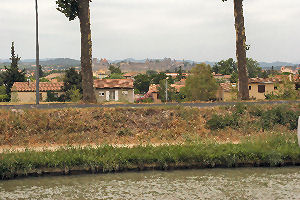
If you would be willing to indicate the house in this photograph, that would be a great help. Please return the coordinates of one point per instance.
(114, 90)
(226, 92)
(130, 75)
(25, 92)
(259, 87)
(291, 70)
(226, 78)
(100, 74)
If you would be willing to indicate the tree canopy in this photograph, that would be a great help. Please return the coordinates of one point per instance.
(12, 73)
(225, 67)
(200, 85)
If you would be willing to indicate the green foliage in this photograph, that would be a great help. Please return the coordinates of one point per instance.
(201, 85)
(234, 77)
(70, 8)
(220, 122)
(72, 79)
(280, 115)
(151, 72)
(3, 95)
(114, 70)
(142, 83)
(115, 76)
(286, 91)
(13, 74)
(179, 76)
(254, 70)
(74, 94)
(172, 93)
(155, 79)
(276, 150)
(225, 67)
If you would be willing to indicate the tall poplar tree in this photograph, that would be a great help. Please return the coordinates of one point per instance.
(241, 49)
(81, 9)
(12, 73)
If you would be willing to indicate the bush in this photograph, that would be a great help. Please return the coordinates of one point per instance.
(280, 115)
(74, 94)
(220, 122)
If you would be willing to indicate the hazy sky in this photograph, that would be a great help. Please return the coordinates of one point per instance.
(191, 29)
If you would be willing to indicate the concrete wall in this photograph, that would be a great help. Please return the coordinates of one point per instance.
(269, 88)
(29, 97)
(124, 95)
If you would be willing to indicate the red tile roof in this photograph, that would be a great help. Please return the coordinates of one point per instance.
(227, 87)
(265, 80)
(113, 83)
(31, 86)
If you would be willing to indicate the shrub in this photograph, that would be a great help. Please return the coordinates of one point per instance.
(220, 122)
(280, 115)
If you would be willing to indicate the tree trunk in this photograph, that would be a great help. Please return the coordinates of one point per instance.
(86, 52)
(241, 49)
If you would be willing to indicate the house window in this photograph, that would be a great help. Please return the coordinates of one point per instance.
(125, 92)
(112, 95)
(275, 88)
(101, 94)
(261, 88)
(249, 87)
(41, 96)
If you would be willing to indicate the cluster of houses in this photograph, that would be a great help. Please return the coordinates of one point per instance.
(123, 89)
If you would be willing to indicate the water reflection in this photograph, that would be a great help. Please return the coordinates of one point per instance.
(243, 183)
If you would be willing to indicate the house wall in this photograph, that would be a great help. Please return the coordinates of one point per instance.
(269, 88)
(120, 93)
(28, 97)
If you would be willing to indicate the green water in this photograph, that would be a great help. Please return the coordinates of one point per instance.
(242, 183)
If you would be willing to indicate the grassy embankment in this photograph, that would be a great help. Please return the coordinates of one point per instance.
(276, 150)
(264, 136)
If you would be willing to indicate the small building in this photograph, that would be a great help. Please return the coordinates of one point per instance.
(259, 87)
(25, 92)
(226, 92)
(114, 90)
(130, 75)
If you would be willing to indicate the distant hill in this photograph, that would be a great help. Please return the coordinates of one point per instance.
(276, 65)
(131, 64)
(59, 62)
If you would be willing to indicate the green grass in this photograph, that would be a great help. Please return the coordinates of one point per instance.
(274, 150)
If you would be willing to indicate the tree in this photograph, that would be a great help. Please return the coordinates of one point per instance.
(13, 74)
(81, 9)
(114, 70)
(179, 74)
(253, 68)
(225, 67)
(142, 83)
(72, 81)
(41, 72)
(151, 72)
(3, 95)
(200, 85)
(172, 94)
(241, 48)
(155, 79)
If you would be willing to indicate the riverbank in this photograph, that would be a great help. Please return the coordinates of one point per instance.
(53, 128)
(274, 150)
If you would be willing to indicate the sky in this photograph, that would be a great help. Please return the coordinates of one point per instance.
(199, 30)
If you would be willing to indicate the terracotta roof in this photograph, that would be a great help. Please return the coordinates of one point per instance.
(113, 83)
(265, 80)
(30, 86)
(129, 74)
(55, 75)
(227, 86)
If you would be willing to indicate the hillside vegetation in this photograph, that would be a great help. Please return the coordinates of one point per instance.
(95, 126)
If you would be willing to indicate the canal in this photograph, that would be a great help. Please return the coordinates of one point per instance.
(241, 183)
